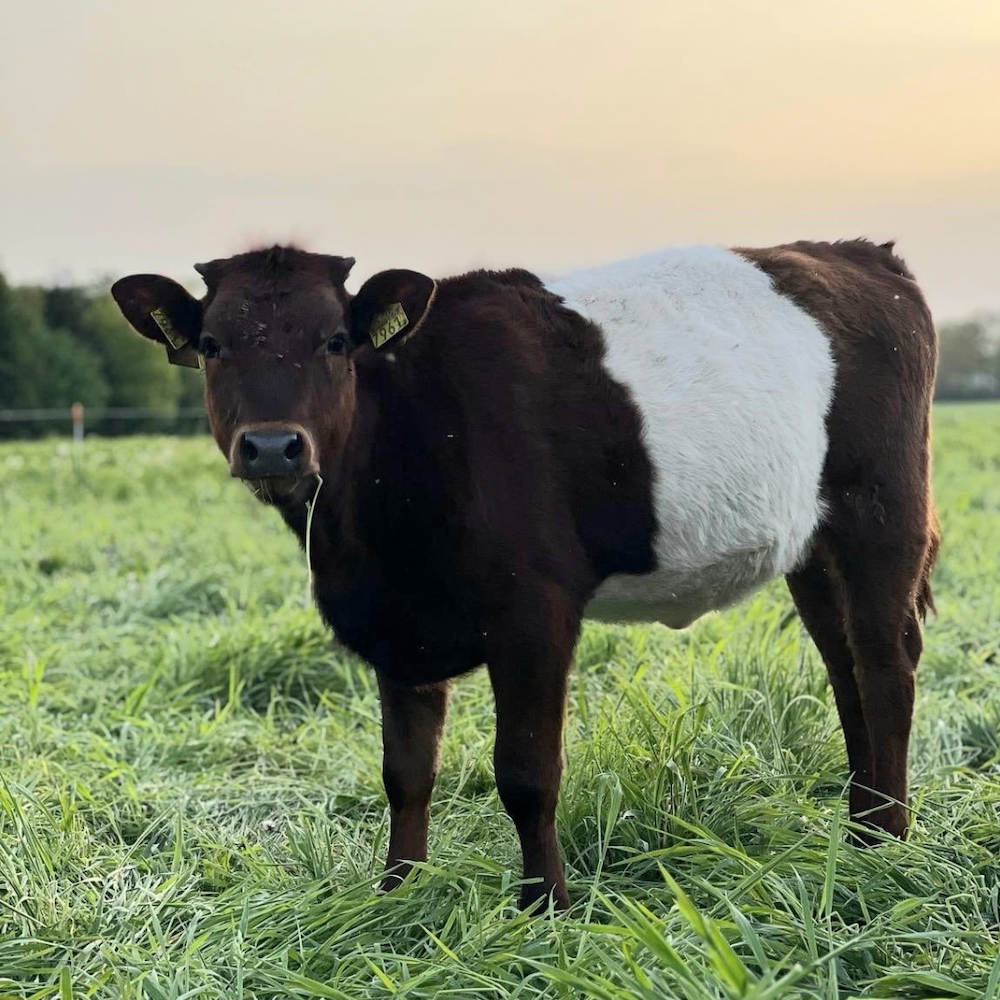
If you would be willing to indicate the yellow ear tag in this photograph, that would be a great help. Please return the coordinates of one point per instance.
(180, 351)
(163, 322)
(387, 324)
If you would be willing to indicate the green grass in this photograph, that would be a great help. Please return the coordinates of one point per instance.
(191, 804)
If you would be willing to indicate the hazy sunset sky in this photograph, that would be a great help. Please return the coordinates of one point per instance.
(446, 134)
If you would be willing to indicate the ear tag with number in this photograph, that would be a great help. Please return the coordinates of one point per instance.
(387, 324)
(162, 320)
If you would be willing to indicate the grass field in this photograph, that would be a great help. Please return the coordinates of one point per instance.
(191, 802)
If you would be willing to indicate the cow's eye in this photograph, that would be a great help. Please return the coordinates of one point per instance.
(210, 347)
(335, 345)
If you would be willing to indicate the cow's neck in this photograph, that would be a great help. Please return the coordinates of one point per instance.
(389, 477)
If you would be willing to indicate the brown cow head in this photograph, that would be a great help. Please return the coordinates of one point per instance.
(271, 334)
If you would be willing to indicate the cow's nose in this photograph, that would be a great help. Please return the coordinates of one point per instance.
(271, 454)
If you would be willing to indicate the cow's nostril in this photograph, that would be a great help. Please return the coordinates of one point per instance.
(248, 449)
(270, 453)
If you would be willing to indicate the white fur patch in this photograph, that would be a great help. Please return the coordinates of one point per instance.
(733, 383)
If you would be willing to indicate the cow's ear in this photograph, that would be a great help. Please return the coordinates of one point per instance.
(338, 267)
(162, 311)
(391, 306)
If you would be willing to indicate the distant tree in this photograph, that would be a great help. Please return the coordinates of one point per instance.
(40, 366)
(63, 306)
(968, 359)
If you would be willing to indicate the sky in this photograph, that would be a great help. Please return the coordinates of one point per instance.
(146, 135)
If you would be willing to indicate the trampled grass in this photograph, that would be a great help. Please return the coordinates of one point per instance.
(191, 806)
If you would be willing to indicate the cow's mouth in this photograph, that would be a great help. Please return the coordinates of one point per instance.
(280, 490)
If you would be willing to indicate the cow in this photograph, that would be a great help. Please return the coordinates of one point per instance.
(482, 461)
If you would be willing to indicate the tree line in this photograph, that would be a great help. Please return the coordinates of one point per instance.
(969, 358)
(69, 343)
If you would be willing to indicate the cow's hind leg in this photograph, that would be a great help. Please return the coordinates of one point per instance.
(819, 600)
(883, 547)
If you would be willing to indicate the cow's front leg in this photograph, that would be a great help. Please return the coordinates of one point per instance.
(412, 721)
(529, 675)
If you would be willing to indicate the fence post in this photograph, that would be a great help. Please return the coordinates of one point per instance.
(76, 410)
